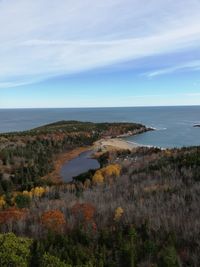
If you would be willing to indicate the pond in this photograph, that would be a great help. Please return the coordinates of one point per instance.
(79, 165)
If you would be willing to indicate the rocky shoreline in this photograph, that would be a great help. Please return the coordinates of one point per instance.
(137, 131)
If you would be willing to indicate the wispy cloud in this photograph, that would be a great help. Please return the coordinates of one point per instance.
(48, 38)
(13, 84)
(193, 65)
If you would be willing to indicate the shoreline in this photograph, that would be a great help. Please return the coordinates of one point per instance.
(55, 176)
(104, 144)
(119, 143)
(114, 144)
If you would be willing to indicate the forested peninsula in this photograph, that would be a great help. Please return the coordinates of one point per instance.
(139, 209)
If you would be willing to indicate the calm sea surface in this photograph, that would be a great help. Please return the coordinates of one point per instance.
(174, 124)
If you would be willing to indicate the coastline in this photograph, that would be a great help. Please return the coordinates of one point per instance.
(107, 144)
(104, 144)
(114, 144)
(119, 143)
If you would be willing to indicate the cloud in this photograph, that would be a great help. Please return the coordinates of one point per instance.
(41, 39)
(193, 65)
(13, 84)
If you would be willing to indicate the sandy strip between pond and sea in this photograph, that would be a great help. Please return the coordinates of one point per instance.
(114, 143)
(106, 144)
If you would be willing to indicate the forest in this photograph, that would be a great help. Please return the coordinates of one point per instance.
(26, 157)
(139, 209)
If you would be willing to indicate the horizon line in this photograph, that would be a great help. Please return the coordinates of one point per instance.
(139, 106)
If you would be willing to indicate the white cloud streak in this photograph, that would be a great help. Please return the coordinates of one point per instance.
(193, 65)
(41, 39)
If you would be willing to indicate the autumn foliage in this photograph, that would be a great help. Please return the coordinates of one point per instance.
(53, 220)
(2, 202)
(110, 171)
(12, 214)
(38, 191)
(84, 210)
(98, 178)
(118, 213)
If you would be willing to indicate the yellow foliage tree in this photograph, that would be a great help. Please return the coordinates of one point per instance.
(112, 170)
(118, 213)
(167, 153)
(38, 191)
(35, 192)
(27, 193)
(2, 202)
(98, 177)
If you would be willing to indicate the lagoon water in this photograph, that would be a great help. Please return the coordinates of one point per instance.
(78, 165)
(174, 125)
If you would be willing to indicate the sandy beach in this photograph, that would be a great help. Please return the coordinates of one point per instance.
(102, 144)
(114, 143)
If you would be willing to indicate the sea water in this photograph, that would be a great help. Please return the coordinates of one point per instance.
(173, 125)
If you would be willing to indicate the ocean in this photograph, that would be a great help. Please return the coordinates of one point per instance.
(173, 125)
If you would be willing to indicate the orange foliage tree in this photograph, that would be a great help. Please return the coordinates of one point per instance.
(53, 220)
(84, 210)
(11, 215)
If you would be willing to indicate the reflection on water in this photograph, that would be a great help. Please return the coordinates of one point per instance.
(78, 165)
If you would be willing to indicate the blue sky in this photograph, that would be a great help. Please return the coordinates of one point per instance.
(66, 53)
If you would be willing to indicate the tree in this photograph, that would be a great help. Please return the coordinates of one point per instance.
(169, 257)
(49, 260)
(53, 220)
(2, 202)
(87, 183)
(98, 178)
(118, 213)
(11, 215)
(22, 201)
(111, 170)
(38, 191)
(14, 251)
(84, 210)
(133, 237)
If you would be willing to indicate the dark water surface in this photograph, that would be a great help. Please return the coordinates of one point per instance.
(78, 165)
(174, 124)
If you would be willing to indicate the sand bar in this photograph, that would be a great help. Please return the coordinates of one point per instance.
(114, 143)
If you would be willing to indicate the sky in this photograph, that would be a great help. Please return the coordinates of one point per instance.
(102, 53)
